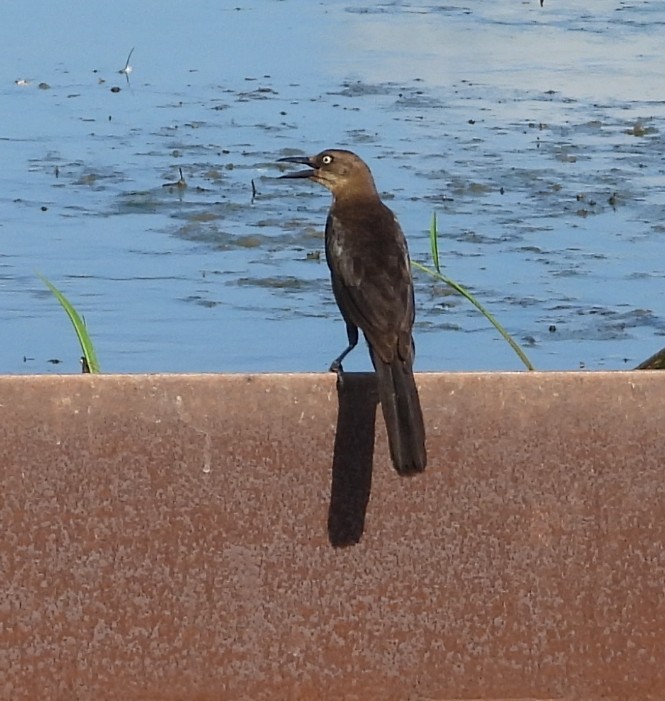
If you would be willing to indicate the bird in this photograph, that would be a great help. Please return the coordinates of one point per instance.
(370, 271)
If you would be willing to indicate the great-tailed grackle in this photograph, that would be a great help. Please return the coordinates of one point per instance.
(371, 279)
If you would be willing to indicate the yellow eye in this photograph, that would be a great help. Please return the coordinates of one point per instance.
(327, 159)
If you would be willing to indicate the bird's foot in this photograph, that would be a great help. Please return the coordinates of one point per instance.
(336, 367)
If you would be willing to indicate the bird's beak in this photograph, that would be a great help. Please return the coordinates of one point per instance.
(303, 160)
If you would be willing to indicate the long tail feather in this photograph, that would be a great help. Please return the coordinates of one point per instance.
(403, 415)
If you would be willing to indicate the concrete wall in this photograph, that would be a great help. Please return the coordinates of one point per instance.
(245, 537)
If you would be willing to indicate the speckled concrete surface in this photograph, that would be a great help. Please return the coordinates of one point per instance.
(244, 537)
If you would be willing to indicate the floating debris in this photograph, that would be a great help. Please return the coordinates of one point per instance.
(127, 69)
(181, 184)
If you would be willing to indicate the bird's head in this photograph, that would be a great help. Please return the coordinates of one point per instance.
(342, 172)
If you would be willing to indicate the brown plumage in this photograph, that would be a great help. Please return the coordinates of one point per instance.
(371, 279)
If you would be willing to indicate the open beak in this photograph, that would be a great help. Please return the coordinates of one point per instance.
(303, 160)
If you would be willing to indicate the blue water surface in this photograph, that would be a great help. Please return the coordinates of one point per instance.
(535, 134)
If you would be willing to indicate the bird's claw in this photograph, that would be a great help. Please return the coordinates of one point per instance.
(336, 367)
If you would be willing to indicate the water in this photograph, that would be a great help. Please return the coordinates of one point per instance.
(534, 133)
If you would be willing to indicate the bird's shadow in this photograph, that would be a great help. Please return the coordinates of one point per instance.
(352, 458)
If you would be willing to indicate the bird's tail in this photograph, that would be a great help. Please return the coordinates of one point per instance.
(403, 416)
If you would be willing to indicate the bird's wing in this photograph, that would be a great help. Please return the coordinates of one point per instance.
(371, 278)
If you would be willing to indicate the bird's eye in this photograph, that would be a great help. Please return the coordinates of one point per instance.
(327, 159)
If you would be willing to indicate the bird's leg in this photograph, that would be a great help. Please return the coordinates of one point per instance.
(336, 365)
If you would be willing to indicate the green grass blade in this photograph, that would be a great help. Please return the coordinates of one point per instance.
(87, 347)
(436, 272)
(465, 293)
(434, 243)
